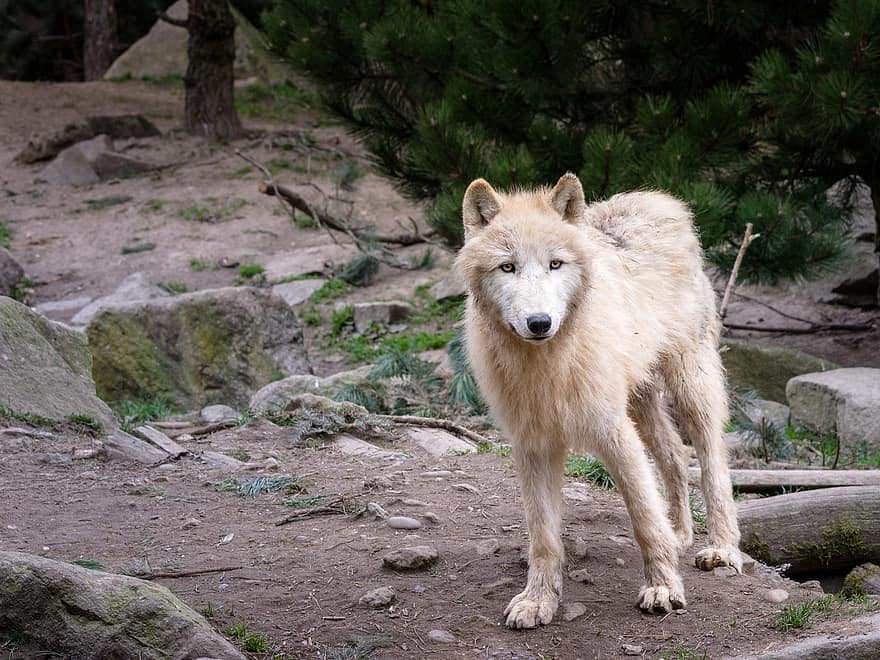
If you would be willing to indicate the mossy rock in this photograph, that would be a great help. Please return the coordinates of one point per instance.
(214, 346)
(75, 612)
(766, 371)
(45, 369)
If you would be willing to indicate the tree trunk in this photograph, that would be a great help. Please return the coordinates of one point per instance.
(210, 103)
(814, 531)
(99, 38)
(761, 481)
(874, 184)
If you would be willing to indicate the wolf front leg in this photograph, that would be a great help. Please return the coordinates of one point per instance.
(625, 459)
(540, 470)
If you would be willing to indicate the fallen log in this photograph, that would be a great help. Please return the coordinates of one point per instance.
(162, 441)
(814, 531)
(757, 481)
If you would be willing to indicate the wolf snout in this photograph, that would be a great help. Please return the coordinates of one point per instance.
(539, 324)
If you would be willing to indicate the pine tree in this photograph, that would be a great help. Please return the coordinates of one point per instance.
(822, 106)
(626, 94)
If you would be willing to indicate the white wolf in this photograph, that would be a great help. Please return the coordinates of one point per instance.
(581, 322)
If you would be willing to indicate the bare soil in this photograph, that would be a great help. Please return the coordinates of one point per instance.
(299, 583)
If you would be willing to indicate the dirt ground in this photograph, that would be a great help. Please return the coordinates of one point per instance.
(299, 583)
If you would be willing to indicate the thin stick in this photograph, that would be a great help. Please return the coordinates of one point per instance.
(435, 423)
(747, 240)
(824, 327)
(152, 575)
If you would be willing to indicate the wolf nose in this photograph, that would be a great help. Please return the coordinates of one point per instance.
(539, 324)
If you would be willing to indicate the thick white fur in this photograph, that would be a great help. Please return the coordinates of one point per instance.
(634, 332)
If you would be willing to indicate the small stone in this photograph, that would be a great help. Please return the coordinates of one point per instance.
(190, 523)
(620, 561)
(466, 487)
(576, 547)
(377, 511)
(571, 611)
(431, 517)
(12, 527)
(632, 649)
(725, 571)
(487, 547)
(218, 413)
(271, 464)
(812, 585)
(411, 558)
(419, 589)
(776, 595)
(441, 637)
(410, 502)
(379, 597)
(403, 522)
(621, 540)
(580, 575)
(436, 474)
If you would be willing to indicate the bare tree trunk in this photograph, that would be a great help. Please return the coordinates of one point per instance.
(874, 184)
(210, 102)
(99, 38)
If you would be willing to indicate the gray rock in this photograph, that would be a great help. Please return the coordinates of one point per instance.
(298, 292)
(441, 637)
(11, 273)
(403, 522)
(725, 571)
(450, 286)
(857, 284)
(411, 558)
(97, 145)
(767, 370)
(775, 595)
(811, 585)
(44, 147)
(379, 597)
(487, 547)
(133, 288)
(438, 442)
(381, 313)
(580, 575)
(218, 413)
(771, 412)
(45, 368)
(572, 611)
(307, 260)
(110, 165)
(632, 649)
(279, 394)
(218, 344)
(70, 167)
(863, 579)
(66, 305)
(79, 613)
(352, 446)
(863, 644)
(843, 401)
(576, 547)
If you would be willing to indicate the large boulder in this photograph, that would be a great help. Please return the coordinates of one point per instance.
(73, 612)
(213, 346)
(842, 401)
(134, 288)
(91, 161)
(766, 371)
(45, 368)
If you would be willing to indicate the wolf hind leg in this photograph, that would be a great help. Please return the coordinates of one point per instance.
(657, 431)
(624, 457)
(695, 379)
(540, 471)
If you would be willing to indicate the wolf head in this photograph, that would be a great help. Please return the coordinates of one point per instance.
(525, 257)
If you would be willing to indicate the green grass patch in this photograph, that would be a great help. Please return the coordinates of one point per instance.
(278, 165)
(134, 413)
(134, 248)
(146, 492)
(300, 278)
(105, 202)
(166, 80)
(154, 205)
(683, 653)
(341, 318)
(7, 414)
(271, 102)
(330, 290)
(310, 315)
(90, 564)
(213, 213)
(174, 287)
(5, 234)
(243, 171)
(207, 611)
(588, 468)
(86, 422)
(248, 271)
(198, 265)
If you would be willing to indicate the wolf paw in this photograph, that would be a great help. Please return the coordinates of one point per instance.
(661, 599)
(711, 558)
(527, 610)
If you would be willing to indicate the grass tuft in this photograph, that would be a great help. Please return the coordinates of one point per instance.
(589, 469)
(134, 413)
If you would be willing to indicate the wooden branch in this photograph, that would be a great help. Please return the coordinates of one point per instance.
(167, 575)
(814, 531)
(334, 507)
(756, 481)
(435, 423)
(162, 441)
(818, 327)
(177, 22)
(324, 218)
(747, 240)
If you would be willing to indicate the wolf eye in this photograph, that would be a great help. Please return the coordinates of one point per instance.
(556, 264)
(507, 268)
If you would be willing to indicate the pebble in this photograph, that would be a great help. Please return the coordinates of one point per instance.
(571, 611)
(580, 575)
(576, 547)
(403, 522)
(487, 547)
(419, 589)
(632, 649)
(271, 463)
(776, 595)
(192, 522)
(218, 413)
(620, 561)
(441, 637)
(430, 516)
(379, 597)
(376, 510)
(411, 558)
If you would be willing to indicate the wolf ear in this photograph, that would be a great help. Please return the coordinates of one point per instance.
(567, 198)
(480, 205)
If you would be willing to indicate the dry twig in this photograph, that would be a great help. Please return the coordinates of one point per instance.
(436, 423)
(153, 575)
(747, 240)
